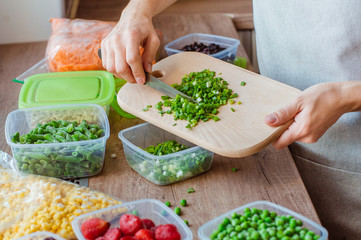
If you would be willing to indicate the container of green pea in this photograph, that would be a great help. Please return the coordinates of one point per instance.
(262, 220)
(63, 141)
(162, 157)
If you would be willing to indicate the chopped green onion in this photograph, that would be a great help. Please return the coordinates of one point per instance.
(243, 83)
(190, 190)
(232, 109)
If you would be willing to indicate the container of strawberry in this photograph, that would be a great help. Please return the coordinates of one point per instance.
(137, 220)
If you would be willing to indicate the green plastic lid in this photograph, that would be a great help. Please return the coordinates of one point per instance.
(56, 88)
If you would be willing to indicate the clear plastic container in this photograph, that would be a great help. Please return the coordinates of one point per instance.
(228, 54)
(152, 209)
(162, 170)
(53, 159)
(41, 236)
(207, 229)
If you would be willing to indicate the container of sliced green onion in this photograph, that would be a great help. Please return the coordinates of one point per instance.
(161, 157)
(63, 141)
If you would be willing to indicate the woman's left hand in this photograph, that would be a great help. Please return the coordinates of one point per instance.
(313, 112)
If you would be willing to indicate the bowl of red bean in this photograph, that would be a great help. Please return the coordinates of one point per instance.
(220, 47)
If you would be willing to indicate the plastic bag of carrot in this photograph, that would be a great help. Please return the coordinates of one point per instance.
(73, 44)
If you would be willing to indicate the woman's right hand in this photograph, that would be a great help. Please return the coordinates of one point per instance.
(121, 48)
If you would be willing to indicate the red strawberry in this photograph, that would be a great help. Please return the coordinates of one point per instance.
(94, 227)
(100, 238)
(167, 232)
(113, 234)
(128, 238)
(144, 234)
(130, 224)
(147, 223)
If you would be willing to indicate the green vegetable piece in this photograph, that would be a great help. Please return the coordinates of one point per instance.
(16, 137)
(186, 222)
(234, 169)
(240, 62)
(232, 109)
(183, 202)
(178, 210)
(135, 212)
(167, 204)
(190, 190)
(243, 83)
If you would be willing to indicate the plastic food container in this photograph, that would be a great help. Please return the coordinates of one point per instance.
(58, 88)
(41, 236)
(207, 229)
(52, 159)
(228, 54)
(42, 67)
(153, 209)
(162, 170)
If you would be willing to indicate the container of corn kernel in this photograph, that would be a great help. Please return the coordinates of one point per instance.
(31, 203)
(152, 209)
(44, 235)
(66, 159)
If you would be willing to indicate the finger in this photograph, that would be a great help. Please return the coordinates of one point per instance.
(134, 61)
(104, 54)
(282, 115)
(150, 50)
(286, 138)
(110, 60)
(122, 68)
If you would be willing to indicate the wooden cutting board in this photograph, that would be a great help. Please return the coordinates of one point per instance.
(237, 134)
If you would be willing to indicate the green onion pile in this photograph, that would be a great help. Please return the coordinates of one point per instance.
(262, 224)
(166, 147)
(209, 91)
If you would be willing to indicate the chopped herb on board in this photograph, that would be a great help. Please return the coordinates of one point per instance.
(209, 91)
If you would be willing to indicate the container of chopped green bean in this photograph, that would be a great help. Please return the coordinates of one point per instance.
(63, 141)
(162, 157)
(262, 220)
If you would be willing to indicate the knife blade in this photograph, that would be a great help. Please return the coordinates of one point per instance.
(164, 88)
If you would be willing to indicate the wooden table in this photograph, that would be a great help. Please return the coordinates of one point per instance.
(268, 175)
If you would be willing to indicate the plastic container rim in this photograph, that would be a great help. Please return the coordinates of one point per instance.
(34, 234)
(146, 154)
(51, 107)
(323, 230)
(236, 43)
(125, 204)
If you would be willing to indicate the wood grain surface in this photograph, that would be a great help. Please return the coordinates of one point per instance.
(268, 175)
(239, 133)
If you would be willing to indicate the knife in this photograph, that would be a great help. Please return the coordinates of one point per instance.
(164, 88)
(159, 85)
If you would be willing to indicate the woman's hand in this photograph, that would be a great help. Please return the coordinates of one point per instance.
(313, 112)
(121, 48)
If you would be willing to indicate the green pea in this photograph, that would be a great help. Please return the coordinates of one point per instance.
(183, 202)
(186, 222)
(167, 203)
(177, 210)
